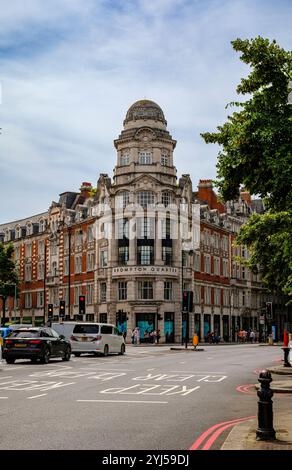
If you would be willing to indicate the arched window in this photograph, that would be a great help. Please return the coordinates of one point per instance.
(42, 225)
(145, 198)
(17, 231)
(29, 228)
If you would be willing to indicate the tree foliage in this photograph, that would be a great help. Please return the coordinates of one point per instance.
(8, 274)
(256, 154)
(269, 238)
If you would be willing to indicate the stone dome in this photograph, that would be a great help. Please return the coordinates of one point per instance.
(145, 110)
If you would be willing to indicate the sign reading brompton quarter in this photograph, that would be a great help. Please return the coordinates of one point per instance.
(145, 270)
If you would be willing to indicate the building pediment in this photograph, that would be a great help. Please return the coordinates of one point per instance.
(145, 135)
(146, 181)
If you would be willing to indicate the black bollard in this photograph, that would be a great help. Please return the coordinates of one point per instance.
(286, 350)
(265, 431)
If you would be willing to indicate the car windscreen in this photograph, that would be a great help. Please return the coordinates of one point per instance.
(86, 329)
(25, 334)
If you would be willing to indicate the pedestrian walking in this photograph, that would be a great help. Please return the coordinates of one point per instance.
(137, 336)
(158, 336)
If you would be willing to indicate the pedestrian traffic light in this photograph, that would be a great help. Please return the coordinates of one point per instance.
(269, 310)
(50, 311)
(81, 304)
(62, 309)
(187, 303)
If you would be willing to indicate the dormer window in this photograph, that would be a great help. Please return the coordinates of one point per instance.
(42, 225)
(125, 158)
(145, 158)
(17, 232)
(29, 229)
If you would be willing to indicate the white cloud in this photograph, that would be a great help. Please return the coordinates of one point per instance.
(70, 69)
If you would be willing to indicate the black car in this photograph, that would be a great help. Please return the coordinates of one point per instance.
(36, 343)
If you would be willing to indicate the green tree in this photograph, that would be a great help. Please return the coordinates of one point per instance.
(8, 275)
(256, 154)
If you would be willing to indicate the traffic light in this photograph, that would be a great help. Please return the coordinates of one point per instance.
(62, 309)
(118, 317)
(50, 311)
(269, 310)
(187, 303)
(81, 304)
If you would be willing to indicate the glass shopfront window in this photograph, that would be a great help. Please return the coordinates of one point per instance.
(169, 327)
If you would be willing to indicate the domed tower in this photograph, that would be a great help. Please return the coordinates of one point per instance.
(144, 146)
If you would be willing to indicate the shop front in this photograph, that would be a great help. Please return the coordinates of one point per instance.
(169, 327)
(146, 324)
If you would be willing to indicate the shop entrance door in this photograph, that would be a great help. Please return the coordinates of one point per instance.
(226, 328)
(207, 326)
(146, 323)
(169, 327)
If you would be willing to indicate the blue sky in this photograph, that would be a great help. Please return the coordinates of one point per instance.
(70, 69)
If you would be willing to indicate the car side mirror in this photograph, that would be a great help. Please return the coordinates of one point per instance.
(62, 337)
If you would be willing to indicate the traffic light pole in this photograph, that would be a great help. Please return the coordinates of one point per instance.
(45, 277)
(69, 271)
(182, 295)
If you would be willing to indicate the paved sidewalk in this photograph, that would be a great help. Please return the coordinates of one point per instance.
(243, 435)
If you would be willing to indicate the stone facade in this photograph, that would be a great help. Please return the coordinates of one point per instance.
(126, 245)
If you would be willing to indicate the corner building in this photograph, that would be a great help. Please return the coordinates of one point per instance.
(132, 244)
(142, 276)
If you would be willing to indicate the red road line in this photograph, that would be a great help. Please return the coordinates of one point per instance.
(245, 389)
(219, 431)
(203, 436)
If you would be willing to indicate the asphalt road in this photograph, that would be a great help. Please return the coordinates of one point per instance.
(150, 398)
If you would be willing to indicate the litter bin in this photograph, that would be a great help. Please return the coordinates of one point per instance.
(271, 341)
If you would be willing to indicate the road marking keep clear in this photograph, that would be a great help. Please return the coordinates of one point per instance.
(143, 389)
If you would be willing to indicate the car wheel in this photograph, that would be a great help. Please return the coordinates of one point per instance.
(77, 354)
(123, 349)
(46, 357)
(67, 355)
(10, 360)
(106, 350)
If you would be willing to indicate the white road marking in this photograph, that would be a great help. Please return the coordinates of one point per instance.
(3, 398)
(144, 389)
(197, 372)
(124, 401)
(37, 396)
